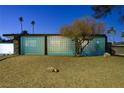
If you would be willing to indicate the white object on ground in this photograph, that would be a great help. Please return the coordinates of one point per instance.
(107, 54)
(52, 69)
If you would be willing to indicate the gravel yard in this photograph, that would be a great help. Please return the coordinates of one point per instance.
(81, 72)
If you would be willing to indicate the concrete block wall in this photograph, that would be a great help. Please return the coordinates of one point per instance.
(16, 46)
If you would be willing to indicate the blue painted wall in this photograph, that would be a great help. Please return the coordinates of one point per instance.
(60, 46)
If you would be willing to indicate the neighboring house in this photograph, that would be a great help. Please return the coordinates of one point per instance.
(119, 43)
(55, 45)
(118, 48)
(6, 47)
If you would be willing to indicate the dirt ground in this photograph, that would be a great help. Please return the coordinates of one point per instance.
(74, 72)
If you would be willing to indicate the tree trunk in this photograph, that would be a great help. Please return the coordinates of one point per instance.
(78, 48)
(33, 29)
(21, 27)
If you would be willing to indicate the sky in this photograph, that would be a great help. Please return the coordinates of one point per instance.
(50, 19)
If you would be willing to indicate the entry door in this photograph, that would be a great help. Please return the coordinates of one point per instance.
(31, 45)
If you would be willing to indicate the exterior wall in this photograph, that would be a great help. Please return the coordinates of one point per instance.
(56, 45)
(33, 45)
(95, 47)
(16, 42)
(60, 46)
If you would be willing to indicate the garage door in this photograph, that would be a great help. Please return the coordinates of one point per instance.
(32, 45)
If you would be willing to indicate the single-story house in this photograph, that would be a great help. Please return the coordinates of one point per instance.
(54, 45)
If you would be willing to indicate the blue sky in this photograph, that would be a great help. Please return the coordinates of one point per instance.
(49, 19)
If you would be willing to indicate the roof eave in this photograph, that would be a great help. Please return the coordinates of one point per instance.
(42, 35)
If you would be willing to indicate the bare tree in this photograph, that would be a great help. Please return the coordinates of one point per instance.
(101, 11)
(82, 31)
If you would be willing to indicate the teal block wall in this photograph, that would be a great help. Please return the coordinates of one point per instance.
(60, 46)
(95, 47)
(32, 45)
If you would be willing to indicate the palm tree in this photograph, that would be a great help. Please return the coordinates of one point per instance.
(21, 20)
(112, 31)
(24, 32)
(33, 23)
